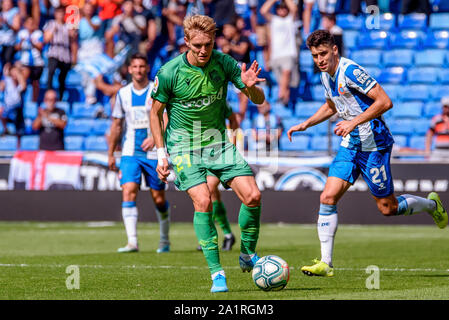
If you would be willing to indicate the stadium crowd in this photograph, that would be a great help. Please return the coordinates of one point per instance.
(79, 47)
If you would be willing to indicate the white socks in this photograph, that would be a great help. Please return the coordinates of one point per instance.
(129, 214)
(409, 204)
(327, 227)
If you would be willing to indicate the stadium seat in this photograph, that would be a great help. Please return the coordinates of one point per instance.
(95, 143)
(306, 109)
(319, 129)
(421, 126)
(400, 140)
(374, 71)
(305, 59)
(74, 143)
(395, 75)
(444, 76)
(350, 22)
(73, 79)
(336, 141)
(350, 39)
(299, 143)
(412, 109)
(373, 40)
(8, 143)
(318, 92)
(281, 111)
(83, 110)
(387, 22)
(401, 126)
(414, 92)
(288, 123)
(438, 92)
(30, 109)
(392, 90)
(29, 142)
(246, 124)
(398, 57)
(432, 108)
(79, 126)
(437, 39)
(406, 39)
(370, 57)
(415, 21)
(101, 126)
(407, 110)
(319, 143)
(439, 21)
(430, 57)
(417, 142)
(64, 105)
(423, 75)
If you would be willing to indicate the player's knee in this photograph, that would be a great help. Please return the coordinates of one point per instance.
(387, 209)
(159, 201)
(253, 199)
(203, 204)
(326, 198)
(129, 194)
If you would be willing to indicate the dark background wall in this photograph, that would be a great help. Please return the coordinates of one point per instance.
(277, 206)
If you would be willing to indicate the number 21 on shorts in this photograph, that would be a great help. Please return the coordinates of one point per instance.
(180, 160)
(379, 175)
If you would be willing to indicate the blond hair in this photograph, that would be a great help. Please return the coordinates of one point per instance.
(199, 23)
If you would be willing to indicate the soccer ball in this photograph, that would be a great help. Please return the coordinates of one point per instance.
(271, 273)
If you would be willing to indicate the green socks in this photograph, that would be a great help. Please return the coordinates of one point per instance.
(219, 215)
(207, 237)
(249, 222)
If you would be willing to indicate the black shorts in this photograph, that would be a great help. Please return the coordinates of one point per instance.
(35, 73)
(7, 54)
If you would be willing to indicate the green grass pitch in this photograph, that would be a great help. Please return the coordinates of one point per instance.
(413, 263)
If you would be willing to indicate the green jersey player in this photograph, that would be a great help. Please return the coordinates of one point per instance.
(193, 88)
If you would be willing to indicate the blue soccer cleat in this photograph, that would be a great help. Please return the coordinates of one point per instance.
(219, 284)
(163, 248)
(247, 265)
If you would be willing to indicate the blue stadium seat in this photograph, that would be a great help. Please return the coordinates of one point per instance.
(401, 126)
(101, 126)
(374, 71)
(414, 92)
(398, 57)
(417, 142)
(350, 38)
(318, 92)
(373, 40)
(394, 75)
(438, 92)
(64, 105)
(400, 140)
(305, 59)
(421, 126)
(370, 57)
(350, 22)
(29, 142)
(439, 21)
(83, 110)
(30, 109)
(430, 57)
(406, 39)
(281, 111)
(444, 76)
(432, 108)
(319, 143)
(416, 21)
(387, 22)
(8, 143)
(392, 90)
(73, 79)
(336, 141)
(423, 75)
(306, 109)
(79, 127)
(74, 143)
(319, 129)
(95, 143)
(246, 124)
(437, 39)
(299, 143)
(407, 110)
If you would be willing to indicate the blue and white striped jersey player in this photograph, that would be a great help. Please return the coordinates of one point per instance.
(365, 148)
(133, 103)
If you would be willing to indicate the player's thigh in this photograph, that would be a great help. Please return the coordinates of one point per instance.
(376, 171)
(212, 184)
(129, 191)
(247, 190)
(333, 190)
(200, 197)
(189, 170)
(151, 177)
(130, 170)
(388, 206)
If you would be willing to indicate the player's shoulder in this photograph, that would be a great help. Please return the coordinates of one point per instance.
(348, 66)
(125, 89)
(171, 65)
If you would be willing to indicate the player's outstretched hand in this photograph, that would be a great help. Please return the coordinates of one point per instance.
(147, 144)
(250, 77)
(111, 163)
(299, 127)
(163, 170)
(343, 128)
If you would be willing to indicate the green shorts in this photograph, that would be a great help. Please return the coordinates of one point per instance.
(222, 161)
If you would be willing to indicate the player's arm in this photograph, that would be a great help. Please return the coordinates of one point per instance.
(326, 111)
(381, 104)
(250, 78)
(156, 125)
(114, 136)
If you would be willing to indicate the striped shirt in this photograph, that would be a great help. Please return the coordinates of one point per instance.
(348, 89)
(29, 55)
(60, 44)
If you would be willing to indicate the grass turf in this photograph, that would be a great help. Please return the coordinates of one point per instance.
(413, 262)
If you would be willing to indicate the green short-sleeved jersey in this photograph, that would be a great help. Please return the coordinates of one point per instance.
(195, 99)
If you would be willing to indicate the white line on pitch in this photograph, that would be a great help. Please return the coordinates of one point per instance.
(24, 265)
